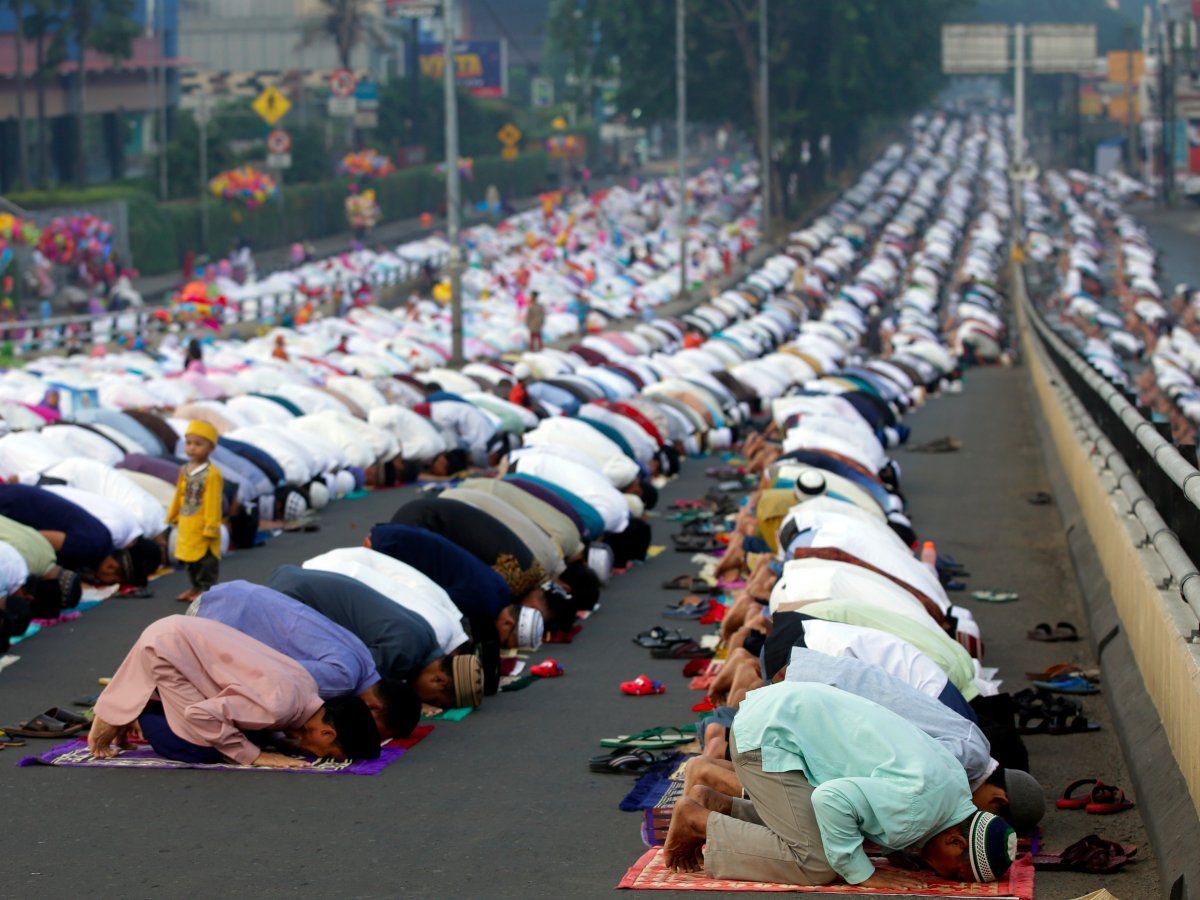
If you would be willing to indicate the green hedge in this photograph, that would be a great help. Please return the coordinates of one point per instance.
(160, 233)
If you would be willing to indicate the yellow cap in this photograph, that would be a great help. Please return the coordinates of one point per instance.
(204, 430)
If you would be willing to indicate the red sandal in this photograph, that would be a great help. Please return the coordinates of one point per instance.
(1068, 801)
(550, 668)
(1106, 800)
(642, 686)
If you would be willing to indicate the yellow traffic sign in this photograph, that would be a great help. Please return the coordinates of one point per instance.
(271, 105)
(509, 135)
(558, 123)
(509, 153)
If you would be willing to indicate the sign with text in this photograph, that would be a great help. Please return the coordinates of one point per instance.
(479, 65)
(974, 49)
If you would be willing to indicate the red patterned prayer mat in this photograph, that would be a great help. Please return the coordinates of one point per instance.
(649, 874)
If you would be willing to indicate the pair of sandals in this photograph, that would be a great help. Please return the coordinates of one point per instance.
(692, 584)
(673, 644)
(56, 723)
(697, 543)
(1041, 712)
(1066, 678)
(659, 738)
(1102, 800)
(1091, 854)
(1062, 632)
(627, 762)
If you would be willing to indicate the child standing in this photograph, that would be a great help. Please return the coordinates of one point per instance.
(196, 511)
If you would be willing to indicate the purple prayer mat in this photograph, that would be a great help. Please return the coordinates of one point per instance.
(75, 754)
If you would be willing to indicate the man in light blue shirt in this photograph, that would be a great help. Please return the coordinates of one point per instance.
(1011, 794)
(338, 661)
(826, 770)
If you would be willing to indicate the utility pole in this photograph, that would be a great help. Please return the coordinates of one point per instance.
(764, 139)
(413, 74)
(453, 201)
(202, 116)
(681, 137)
(161, 79)
(1131, 119)
(1019, 95)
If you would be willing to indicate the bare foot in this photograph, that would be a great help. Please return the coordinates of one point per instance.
(685, 837)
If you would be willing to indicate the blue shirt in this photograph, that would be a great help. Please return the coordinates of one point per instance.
(338, 661)
(959, 735)
(876, 776)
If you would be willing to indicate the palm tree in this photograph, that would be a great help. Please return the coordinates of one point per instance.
(105, 26)
(18, 11)
(347, 23)
(44, 25)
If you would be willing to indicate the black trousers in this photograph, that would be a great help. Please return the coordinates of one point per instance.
(205, 571)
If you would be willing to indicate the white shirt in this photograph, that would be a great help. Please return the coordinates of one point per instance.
(470, 425)
(114, 485)
(360, 444)
(121, 523)
(590, 486)
(13, 570)
(419, 438)
(27, 454)
(71, 440)
(642, 445)
(400, 583)
(619, 469)
(896, 657)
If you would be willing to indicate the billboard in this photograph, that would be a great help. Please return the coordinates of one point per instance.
(974, 49)
(481, 66)
(1063, 48)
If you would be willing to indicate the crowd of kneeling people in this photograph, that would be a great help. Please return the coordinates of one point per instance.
(851, 707)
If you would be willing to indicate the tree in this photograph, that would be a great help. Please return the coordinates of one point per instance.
(348, 24)
(107, 27)
(834, 64)
(44, 24)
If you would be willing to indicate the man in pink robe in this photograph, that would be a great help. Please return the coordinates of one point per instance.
(214, 684)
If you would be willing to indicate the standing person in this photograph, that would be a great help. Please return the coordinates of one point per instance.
(196, 511)
(582, 308)
(535, 320)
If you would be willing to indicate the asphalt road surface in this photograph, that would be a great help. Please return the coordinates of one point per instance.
(502, 804)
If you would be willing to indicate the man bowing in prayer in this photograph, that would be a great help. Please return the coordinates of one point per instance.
(196, 687)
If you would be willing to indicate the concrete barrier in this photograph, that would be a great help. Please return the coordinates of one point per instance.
(1142, 627)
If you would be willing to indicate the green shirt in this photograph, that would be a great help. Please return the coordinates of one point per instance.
(28, 542)
(951, 656)
(876, 776)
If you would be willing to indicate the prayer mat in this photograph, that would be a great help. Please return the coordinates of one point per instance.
(74, 754)
(564, 637)
(449, 715)
(518, 683)
(650, 790)
(418, 734)
(649, 874)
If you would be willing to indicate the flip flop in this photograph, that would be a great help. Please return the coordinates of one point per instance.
(681, 650)
(715, 614)
(691, 584)
(1090, 854)
(1042, 632)
(1069, 801)
(550, 668)
(995, 596)
(1039, 498)
(1065, 631)
(642, 686)
(650, 738)
(704, 705)
(688, 611)
(7, 741)
(1061, 670)
(658, 638)
(624, 762)
(1107, 800)
(1068, 685)
(1054, 723)
(50, 725)
(695, 667)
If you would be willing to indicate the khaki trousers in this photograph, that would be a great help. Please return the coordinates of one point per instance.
(773, 836)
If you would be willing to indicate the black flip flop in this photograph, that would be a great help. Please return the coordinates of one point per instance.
(683, 650)
(658, 637)
(624, 762)
(50, 725)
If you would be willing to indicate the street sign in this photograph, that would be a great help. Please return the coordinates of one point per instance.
(413, 9)
(1063, 49)
(366, 92)
(510, 153)
(271, 105)
(541, 90)
(342, 106)
(974, 49)
(342, 83)
(279, 141)
(558, 123)
(509, 135)
(279, 160)
(366, 118)
(1024, 171)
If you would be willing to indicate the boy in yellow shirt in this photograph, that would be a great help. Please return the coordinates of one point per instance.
(196, 511)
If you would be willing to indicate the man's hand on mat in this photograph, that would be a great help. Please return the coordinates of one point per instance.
(102, 737)
(280, 761)
(894, 881)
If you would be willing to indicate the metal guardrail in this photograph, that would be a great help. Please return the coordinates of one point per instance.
(1162, 486)
(38, 336)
